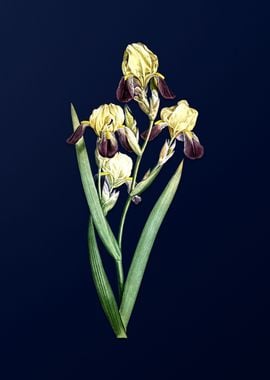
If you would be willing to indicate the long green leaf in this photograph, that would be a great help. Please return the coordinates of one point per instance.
(101, 224)
(104, 291)
(145, 244)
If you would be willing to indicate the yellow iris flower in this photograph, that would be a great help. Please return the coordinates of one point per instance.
(117, 169)
(140, 62)
(139, 66)
(105, 121)
(181, 120)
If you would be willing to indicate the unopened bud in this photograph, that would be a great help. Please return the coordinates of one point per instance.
(154, 105)
(142, 100)
(130, 122)
(129, 140)
(136, 199)
(133, 141)
(166, 152)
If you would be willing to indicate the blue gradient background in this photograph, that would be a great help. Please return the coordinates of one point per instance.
(203, 309)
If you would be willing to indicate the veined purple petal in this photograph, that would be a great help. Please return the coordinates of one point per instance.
(164, 89)
(156, 130)
(192, 147)
(107, 147)
(123, 139)
(76, 135)
(122, 93)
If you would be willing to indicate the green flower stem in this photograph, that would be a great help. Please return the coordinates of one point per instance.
(133, 183)
(122, 222)
(99, 183)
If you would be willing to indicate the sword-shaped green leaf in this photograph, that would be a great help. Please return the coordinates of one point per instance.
(104, 291)
(145, 244)
(101, 224)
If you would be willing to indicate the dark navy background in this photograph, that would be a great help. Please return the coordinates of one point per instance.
(203, 308)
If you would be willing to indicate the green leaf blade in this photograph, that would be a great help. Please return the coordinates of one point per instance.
(102, 226)
(145, 244)
(104, 291)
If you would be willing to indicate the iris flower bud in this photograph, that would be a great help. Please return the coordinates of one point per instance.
(167, 151)
(154, 105)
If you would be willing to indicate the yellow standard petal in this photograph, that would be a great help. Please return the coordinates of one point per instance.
(106, 119)
(139, 62)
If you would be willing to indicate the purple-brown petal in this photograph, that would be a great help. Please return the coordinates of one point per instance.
(164, 89)
(122, 93)
(76, 135)
(107, 147)
(156, 130)
(192, 147)
(123, 140)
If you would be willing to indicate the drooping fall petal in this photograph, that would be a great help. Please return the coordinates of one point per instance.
(108, 147)
(156, 130)
(123, 139)
(192, 147)
(123, 93)
(76, 135)
(164, 89)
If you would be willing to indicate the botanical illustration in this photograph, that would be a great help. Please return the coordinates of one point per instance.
(119, 150)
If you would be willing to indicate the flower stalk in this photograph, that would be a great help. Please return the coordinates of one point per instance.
(133, 183)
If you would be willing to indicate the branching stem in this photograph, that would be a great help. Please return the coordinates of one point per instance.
(133, 184)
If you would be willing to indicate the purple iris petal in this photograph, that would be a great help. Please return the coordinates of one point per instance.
(192, 147)
(164, 89)
(123, 93)
(156, 130)
(123, 139)
(108, 147)
(76, 135)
